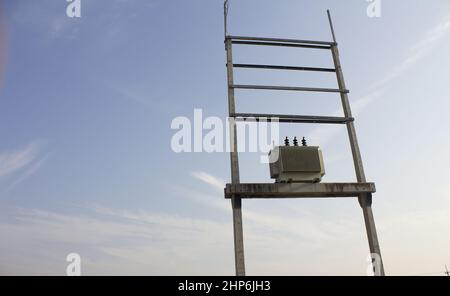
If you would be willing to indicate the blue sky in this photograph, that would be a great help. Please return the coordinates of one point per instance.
(86, 164)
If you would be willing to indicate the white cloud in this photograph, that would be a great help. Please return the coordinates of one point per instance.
(415, 53)
(32, 169)
(13, 161)
(413, 243)
(418, 51)
(47, 17)
(305, 230)
(134, 94)
(416, 242)
(114, 242)
(136, 242)
(21, 164)
(209, 179)
(324, 136)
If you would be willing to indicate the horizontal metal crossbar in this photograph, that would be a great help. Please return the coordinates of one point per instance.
(298, 190)
(291, 118)
(273, 67)
(289, 88)
(298, 45)
(279, 40)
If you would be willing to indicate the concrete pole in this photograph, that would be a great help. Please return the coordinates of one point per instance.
(236, 202)
(365, 200)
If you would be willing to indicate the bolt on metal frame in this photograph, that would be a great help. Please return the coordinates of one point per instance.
(236, 191)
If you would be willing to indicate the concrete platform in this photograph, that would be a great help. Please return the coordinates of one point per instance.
(298, 190)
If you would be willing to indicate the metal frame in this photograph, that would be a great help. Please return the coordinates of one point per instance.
(272, 67)
(236, 191)
(291, 118)
(288, 88)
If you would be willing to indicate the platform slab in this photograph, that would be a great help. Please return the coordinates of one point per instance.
(298, 190)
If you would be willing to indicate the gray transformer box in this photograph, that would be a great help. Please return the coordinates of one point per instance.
(296, 164)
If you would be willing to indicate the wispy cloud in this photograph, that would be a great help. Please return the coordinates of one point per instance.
(32, 169)
(134, 94)
(131, 95)
(47, 17)
(313, 233)
(136, 242)
(13, 161)
(209, 179)
(114, 242)
(126, 242)
(324, 136)
(418, 51)
(23, 162)
(298, 227)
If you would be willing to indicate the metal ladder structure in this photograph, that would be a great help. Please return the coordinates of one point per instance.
(236, 191)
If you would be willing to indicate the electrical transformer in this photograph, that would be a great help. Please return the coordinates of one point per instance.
(301, 164)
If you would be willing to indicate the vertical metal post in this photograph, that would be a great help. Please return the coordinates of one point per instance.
(236, 202)
(365, 200)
